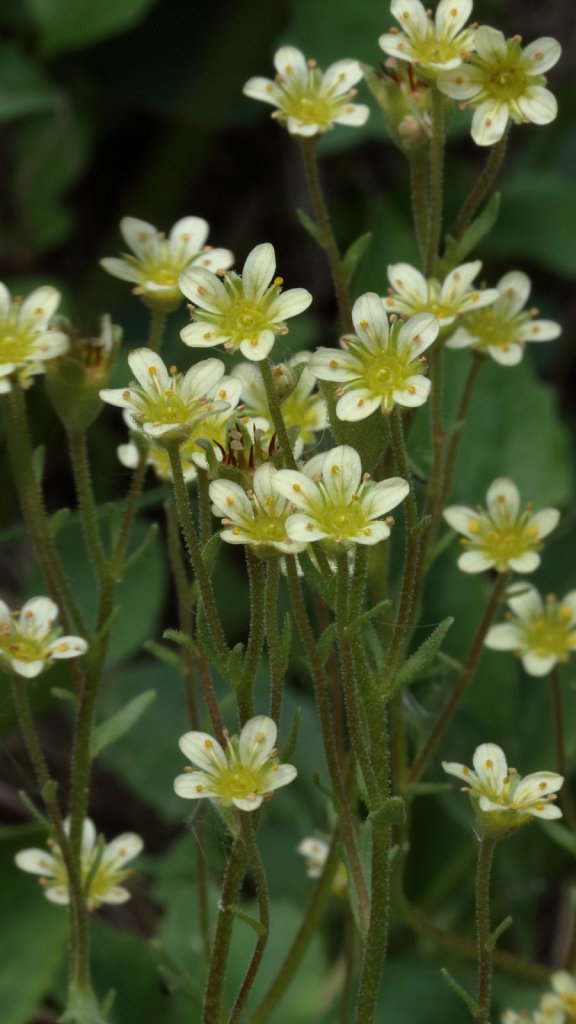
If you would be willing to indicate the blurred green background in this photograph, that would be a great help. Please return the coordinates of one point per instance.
(135, 107)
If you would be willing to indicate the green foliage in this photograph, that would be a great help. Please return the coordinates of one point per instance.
(72, 26)
(24, 88)
(115, 727)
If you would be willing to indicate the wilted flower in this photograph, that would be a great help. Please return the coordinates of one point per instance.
(381, 364)
(504, 81)
(497, 789)
(503, 330)
(337, 502)
(244, 774)
(241, 312)
(27, 341)
(105, 863)
(432, 45)
(310, 101)
(157, 261)
(501, 537)
(30, 640)
(256, 517)
(412, 293)
(542, 633)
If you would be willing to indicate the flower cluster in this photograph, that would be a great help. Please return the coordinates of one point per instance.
(542, 633)
(102, 864)
(30, 640)
(433, 44)
(555, 1007)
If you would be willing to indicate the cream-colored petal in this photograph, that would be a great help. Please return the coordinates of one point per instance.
(187, 237)
(370, 319)
(262, 89)
(545, 521)
(37, 862)
(215, 260)
(341, 76)
(539, 330)
(412, 16)
(451, 16)
(490, 765)
(204, 289)
(140, 236)
(506, 355)
(459, 517)
(490, 44)
(528, 562)
(489, 122)
(357, 405)
(524, 600)
(514, 290)
(538, 104)
(409, 283)
(258, 271)
(289, 303)
(57, 894)
(538, 664)
(257, 349)
(122, 849)
(503, 637)
(149, 370)
(541, 55)
(503, 500)
(38, 309)
(120, 269)
(474, 561)
(193, 786)
(303, 529)
(354, 115)
(461, 83)
(257, 739)
(341, 473)
(38, 615)
(281, 775)
(417, 334)
(385, 495)
(68, 647)
(290, 61)
(203, 751)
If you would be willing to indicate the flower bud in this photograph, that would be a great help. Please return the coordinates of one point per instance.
(73, 383)
(405, 104)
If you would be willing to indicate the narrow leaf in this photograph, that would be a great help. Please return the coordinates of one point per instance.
(326, 642)
(119, 724)
(422, 657)
(237, 911)
(457, 251)
(178, 637)
(391, 812)
(493, 938)
(58, 521)
(288, 750)
(145, 546)
(211, 550)
(354, 254)
(310, 226)
(460, 992)
(163, 654)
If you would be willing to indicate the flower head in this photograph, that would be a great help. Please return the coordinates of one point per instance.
(381, 364)
(501, 536)
(550, 1011)
(494, 787)
(412, 293)
(244, 774)
(30, 640)
(164, 403)
(256, 517)
(564, 989)
(502, 330)
(303, 409)
(310, 101)
(27, 341)
(105, 882)
(541, 632)
(433, 44)
(504, 81)
(241, 312)
(336, 502)
(157, 261)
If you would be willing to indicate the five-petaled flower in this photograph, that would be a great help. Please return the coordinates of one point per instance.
(504, 82)
(30, 640)
(336, 502)
(412, 293)
(256, 517)
(310, 101)
(27, 341)
(542, 633)
(241, 312)
(502, 330)
(103, 864)
(432, 44)
(157, 261)
(496, 788)
(243, 775)
(381, 365)
(501, 536)
(167, 404)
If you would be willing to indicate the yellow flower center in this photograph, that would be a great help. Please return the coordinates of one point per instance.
(492, 330)
(550, 633)
(241, 782)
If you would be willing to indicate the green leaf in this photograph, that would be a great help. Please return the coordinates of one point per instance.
(292, 741)
(254, 923)
(24, 89)
(58, 521)
(326, 642)
(460, 992)
(286, 637)
(391, 812)
(119, 724)
(559, 835)
(71, 26)
(458, 250)
(234, 664)
(326, 588)
(210, 551)
(310, 226)
(421, 658)
(498, 931)
(354, 254)
(143, 548)
(178, 637)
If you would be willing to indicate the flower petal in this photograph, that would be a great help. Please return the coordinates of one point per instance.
(341, 473)
(289, 303)
(539, 330)
(417, 334)
(528, 562)
(38, 615)
(541, 55)
(538, 104)
(409, 283)
(503, 501)
(503, 637)
(257, 739)
(489, 122)
(203, 750)
(290, 61)
(490, 766)
(514, 290)
(149, 370)
(451, 16)
(193, 786)
(38, 309)
(187, 237)
(461, 83)
(204, 289)
(262, 89)
(545, 521)
(123, 849)
(474, 561)
(281, 775)
(357, 404)
(258, 271)
(538, 664)
(37, 862)
(412, 16)
(524, 600)
(490, 44)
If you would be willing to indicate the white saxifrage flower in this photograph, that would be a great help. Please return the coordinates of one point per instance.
(164, 402)
(504, 82)
(256, 517)
(309, 101)
(241, 312)
(106, 882)
(302, 407)
(30, 640)
(412, 293)
(550, 1011)
(336, 502)
(381, 365)
(433, 44)
(502, 536)
(495, 787)
(542, 633)
(27, 341)
(502, 330)
(157, 261)
(564, 989)
(243, 775)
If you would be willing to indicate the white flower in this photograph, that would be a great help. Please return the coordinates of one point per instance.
(433, 45)
(504, 81)
(337, 502)
(241, 312)
(381, 364)
(27, 341)
(501, 537)
(541, 632)
(105, 885)
(156, 262)
(244, 774)
(164, 402)
(564, 987)
(412, 293)
(310, 101)
(302, 407)
(30, 640)
(257, 517)
(497, 788)
(503, 330)
(549, 1011)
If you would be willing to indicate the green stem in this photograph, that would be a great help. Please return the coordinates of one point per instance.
(158, 319)
(419, 197)
(302, 939)
(275, 408)
(204, 507)
(461, 684)
(255, 862)
(86, 503)
(377, 938)
(327, 239)
(482, 186)
(233, 878)
(484, 951)
(458, 430)
(257, 632)
(274, 639)
(436, 182)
